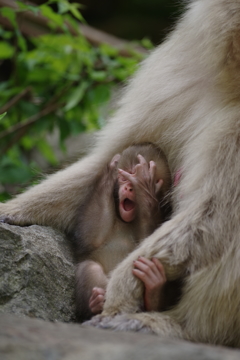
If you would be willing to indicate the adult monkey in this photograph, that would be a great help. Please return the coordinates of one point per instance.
(185, 99)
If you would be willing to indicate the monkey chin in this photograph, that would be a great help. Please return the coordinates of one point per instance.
(127, 210)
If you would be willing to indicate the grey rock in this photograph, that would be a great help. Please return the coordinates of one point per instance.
(37, 280)
(36, 273)
(34, 339)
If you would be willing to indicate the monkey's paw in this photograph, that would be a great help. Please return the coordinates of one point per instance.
(6, 219)
(125, 322)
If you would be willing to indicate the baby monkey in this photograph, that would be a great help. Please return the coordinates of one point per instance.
(127, 203)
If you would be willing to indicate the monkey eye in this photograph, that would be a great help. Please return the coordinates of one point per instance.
(122, 178)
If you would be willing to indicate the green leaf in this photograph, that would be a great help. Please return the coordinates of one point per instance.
(98, 75)
(32, 8)
(77, 127)
(28, 142)
(6, 34)
(74, 24)
(121, 74)
(21, 41)
(2, 115)
(63, 7)
(64, 128)
(9, 14)
(100, 94)
(147, 43)
(6, 50)
(76, 96)
(4, 196)
(108, 50)
(51, 15)
(14, 174)
(75, 12)
(47, 151)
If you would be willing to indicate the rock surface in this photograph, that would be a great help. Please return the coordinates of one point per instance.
(36, 273)
(33, 339)
(37, 280)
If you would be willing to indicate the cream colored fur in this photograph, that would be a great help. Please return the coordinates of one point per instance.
(186, 99)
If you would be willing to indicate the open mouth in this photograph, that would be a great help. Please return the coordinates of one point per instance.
(128, 204)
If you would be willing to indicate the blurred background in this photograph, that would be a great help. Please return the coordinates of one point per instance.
(62, 64)
(132, 19)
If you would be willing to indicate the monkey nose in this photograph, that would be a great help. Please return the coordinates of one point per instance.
(128, 187)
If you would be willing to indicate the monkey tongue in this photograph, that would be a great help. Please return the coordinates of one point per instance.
(128, 204)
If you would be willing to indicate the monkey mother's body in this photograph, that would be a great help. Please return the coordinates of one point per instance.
(186, 100)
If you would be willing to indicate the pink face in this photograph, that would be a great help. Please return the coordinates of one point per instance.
(127, 199)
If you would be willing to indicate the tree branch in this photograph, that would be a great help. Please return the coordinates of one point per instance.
(36, 25)
(14, 100)
(25, 124)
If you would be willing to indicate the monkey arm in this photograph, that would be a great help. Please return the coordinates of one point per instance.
(185, 244)
(55, 201)
(128, 287)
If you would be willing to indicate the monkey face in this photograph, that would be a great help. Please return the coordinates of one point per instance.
(127, 200)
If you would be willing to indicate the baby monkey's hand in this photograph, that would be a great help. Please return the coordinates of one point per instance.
(144, 176)
(96, 300)
(152, 274)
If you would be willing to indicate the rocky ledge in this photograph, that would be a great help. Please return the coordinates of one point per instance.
(37, 309)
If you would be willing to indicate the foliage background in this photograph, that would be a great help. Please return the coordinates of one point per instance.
(54, 81)
(132, 19)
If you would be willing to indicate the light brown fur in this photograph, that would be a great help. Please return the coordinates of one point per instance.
(102, 237)
(185, 99)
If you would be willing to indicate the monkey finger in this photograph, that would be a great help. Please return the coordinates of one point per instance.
(96, 309)
(160, 268)
(95, 293)
(151, 279)
(140, 275)
(98, 290)
(147, 266)
(93, 301)
(141, 265)
(142, 160)
(154, 273)
(96, 305)
(150, 283)
(126, 175)
(158, 185)
(143, 164)
(141, 172)
(152, 169)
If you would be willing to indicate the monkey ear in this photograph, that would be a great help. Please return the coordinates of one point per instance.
(114, 161)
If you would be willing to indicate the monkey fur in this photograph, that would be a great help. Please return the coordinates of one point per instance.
(185, 98)
(102, 237)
